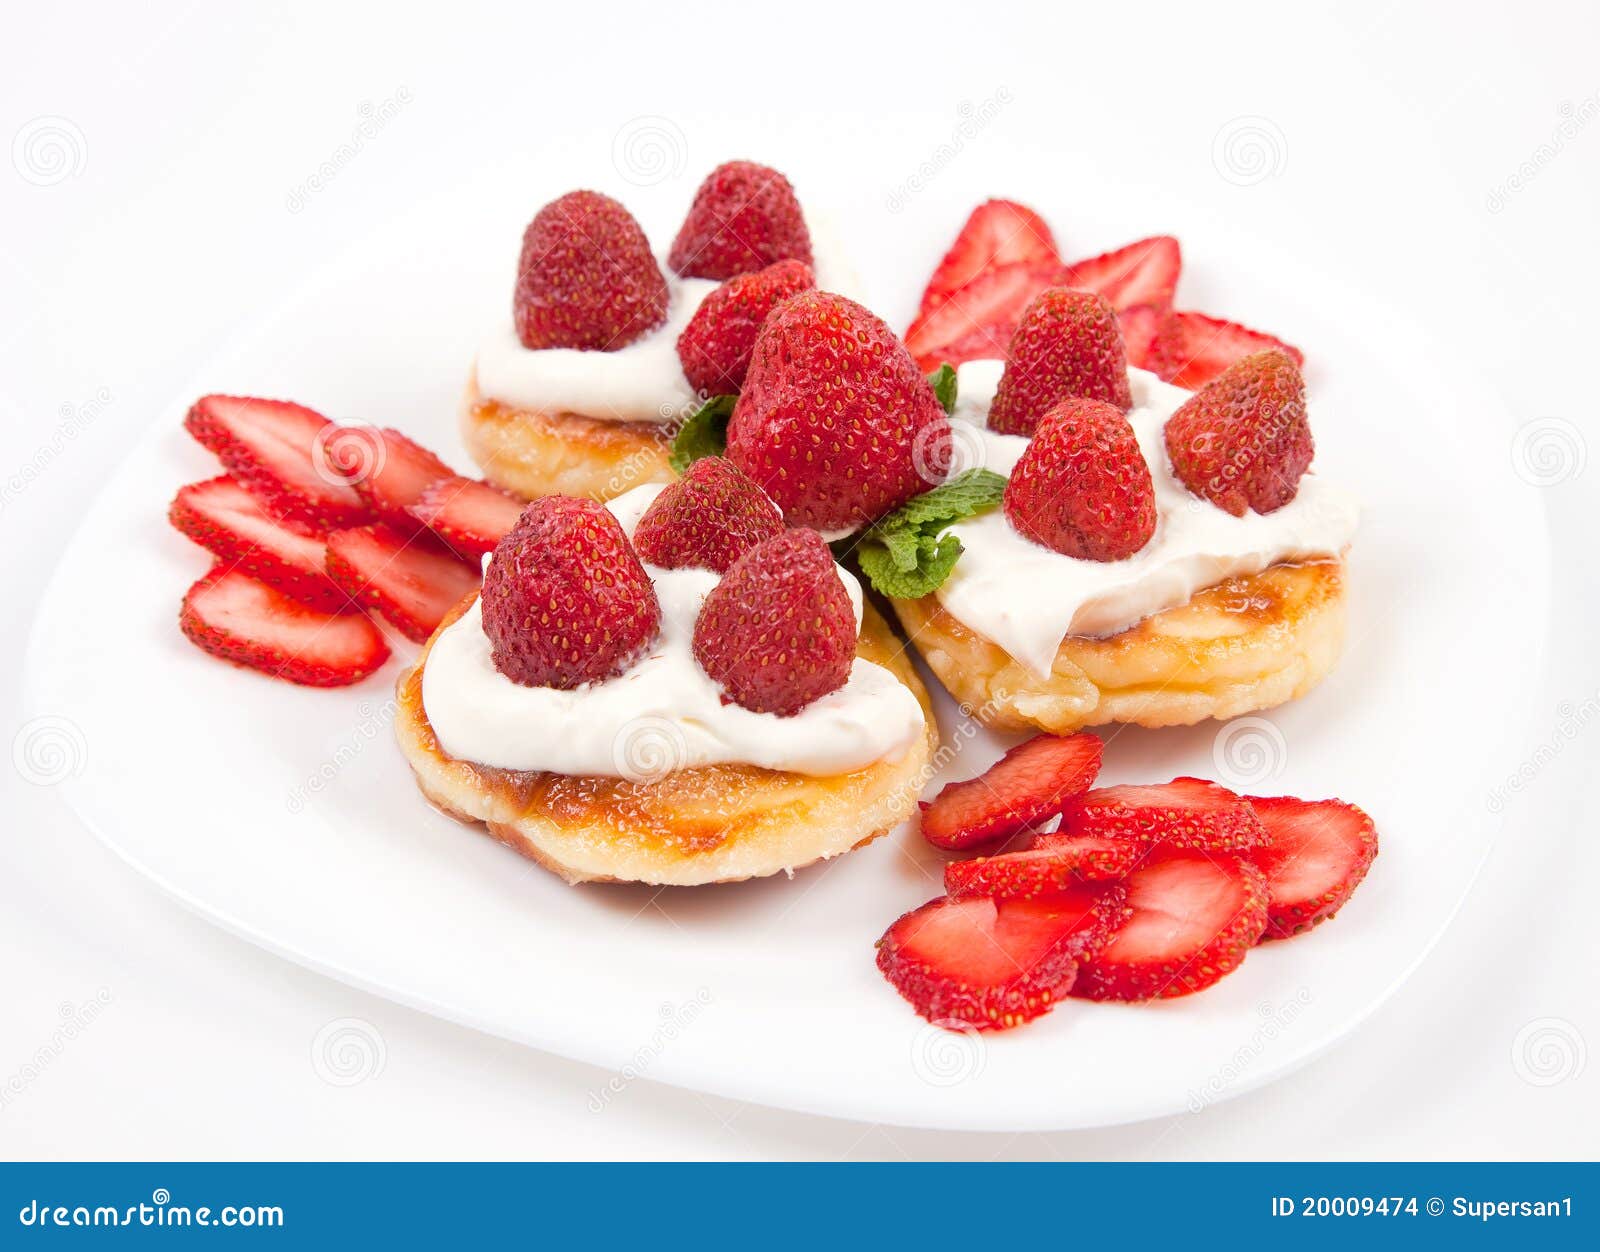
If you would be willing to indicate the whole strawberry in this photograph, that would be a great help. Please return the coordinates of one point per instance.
(779, 630)
(708, 519)
(835, 421)
(1243, 440)
(744, 217)
(1067, 344)
(565, 600)
(715, 346)
(586, 278)
(1082, 486)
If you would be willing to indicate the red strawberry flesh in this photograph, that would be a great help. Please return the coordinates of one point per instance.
(1194, 918)
(1145, 272)
(975, 963)
(412, 582)
(1190, 349)
(228, 521)
(1031, 782)
(1315, 854)
(471, 516)
(997, 232)
(389, 471)
(1184, 813)
(231, 615)
(277, 450)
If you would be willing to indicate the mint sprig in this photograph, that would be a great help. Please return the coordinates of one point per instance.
(943, 382)
(703, 433)
(907, 554)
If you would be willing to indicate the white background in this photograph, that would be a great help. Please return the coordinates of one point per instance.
(1449, 165)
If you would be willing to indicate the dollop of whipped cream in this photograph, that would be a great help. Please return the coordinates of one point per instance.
(1028, 598)
(662, 714)
(642, 382)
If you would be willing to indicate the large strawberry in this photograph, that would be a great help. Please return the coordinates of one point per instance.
(835, 421)
(744, 217)
(708, 519)
(1082, 487)
(565, 600)
(779, 630)
(715, 346)
(587, 278)
(1067, 344)
(1243, 441)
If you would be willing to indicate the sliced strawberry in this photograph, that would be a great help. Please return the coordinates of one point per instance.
(1054, 863)
(388, 471)
(1315, 855)
(1140, 323)
(1145, 272)
(278, 452)
(1191, 349)
(1194, 917)
(233, 616)
(984, 313)
(998, 232)
(224, 518)
(469, 515)
(413, 583)
(1184, 813)
(993, 965)
(1029, 783)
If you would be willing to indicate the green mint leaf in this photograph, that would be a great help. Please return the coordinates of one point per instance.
(899, 584)
(907, 554)
(965, 495)
(703, 433)
(943, 382)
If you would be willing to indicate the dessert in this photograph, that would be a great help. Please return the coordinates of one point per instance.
(1157, 557)
(711, 718)
(1143, 893)
(580, 391)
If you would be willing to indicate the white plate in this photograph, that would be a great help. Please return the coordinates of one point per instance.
(286, 815)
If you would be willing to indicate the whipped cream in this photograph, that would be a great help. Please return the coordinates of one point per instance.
(642, 382)
(664, 713)
(1028, 598)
